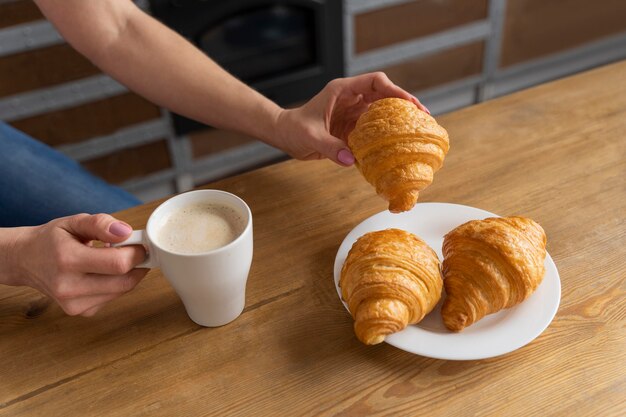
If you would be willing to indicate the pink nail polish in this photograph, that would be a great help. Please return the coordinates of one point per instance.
(345, 157)
(120, 229)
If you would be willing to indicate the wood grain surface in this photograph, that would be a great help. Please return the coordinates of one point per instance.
(555, 153)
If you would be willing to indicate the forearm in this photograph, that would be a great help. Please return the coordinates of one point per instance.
(162, 66)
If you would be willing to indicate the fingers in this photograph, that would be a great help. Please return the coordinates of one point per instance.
(381, 87)
(103, 227)
(87, 306)
(108, 260)
(93, 310)
(96, 284)
(345, 157)
(419, 104)
(89, 293)
(376, 85)
(335, 150)
(86, 258)
(102, 260)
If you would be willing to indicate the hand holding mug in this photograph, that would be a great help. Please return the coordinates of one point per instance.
(60, 260)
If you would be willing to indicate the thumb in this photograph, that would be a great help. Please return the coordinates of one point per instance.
(337, 151)
(103, 227)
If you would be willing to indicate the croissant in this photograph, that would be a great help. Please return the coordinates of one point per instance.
(490, 265)
(391, 278)
(398, 148)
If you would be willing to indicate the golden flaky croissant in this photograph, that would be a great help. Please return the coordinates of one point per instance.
(490, 265)
(398, 148)
(390, 279)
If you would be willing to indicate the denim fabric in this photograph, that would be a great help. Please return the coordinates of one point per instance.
(38, 184)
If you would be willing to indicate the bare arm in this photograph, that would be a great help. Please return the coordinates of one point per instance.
(159, 64)
(162, 66)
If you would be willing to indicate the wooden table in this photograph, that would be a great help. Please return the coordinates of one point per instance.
(555, 153)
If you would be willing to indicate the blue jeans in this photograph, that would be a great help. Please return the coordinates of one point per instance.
(38, 184)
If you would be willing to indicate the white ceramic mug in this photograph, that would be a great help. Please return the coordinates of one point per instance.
(212, 284)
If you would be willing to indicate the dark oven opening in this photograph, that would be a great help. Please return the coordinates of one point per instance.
(287, 50)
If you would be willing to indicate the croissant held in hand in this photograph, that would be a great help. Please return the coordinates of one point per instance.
(390, 279)
(398, 148)
(490, 265)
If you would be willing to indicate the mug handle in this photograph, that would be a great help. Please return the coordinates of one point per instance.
(139, 237)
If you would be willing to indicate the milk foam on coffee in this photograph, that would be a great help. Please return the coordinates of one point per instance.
(199, 227)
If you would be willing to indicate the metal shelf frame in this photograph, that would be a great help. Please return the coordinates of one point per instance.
(493, 81)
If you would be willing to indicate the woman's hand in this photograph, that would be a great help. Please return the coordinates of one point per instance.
(319, 129)
(60, 260)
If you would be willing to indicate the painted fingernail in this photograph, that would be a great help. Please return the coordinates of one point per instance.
(345, 157)
(120, 229)
(419, 104)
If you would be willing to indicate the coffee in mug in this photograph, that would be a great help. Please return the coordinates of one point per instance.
(202, 241)
(198, 227)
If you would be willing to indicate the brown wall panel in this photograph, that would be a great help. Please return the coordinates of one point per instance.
(439, 68)
(210, 141)
(131, 163)
(88, 120)
(41, 68)
(17, 12)
(384, 27)
(535, 28)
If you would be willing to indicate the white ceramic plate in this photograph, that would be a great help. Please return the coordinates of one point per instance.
(495, 334)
